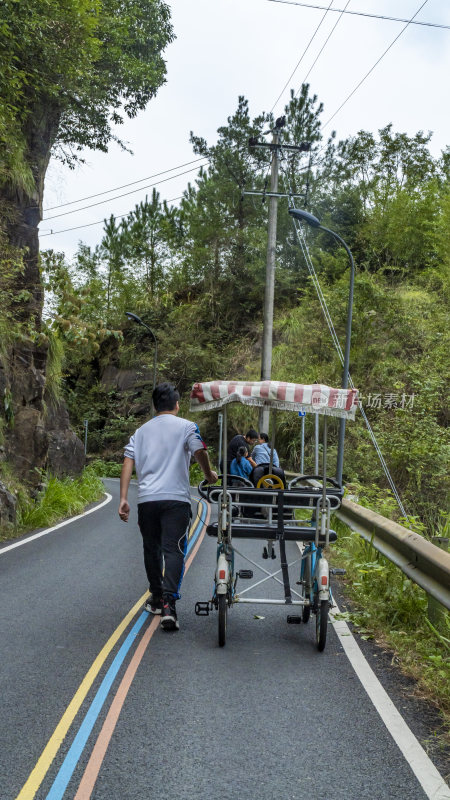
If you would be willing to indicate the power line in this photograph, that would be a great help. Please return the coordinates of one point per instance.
(362, 14)
(124, 186)
(373, 67)
(301, 57)
(99, 222)
(125, 194)
(120, 216)
(323, 46)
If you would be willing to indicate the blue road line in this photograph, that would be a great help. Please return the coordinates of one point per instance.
(199, 527)
(70, 762)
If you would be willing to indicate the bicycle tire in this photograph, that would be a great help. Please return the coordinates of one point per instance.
(322, 624)
(306, 610)
(222, 619)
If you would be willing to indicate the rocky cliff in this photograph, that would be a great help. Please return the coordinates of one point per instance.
(36, 434)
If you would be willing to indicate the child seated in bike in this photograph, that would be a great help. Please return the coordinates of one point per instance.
(242, 465)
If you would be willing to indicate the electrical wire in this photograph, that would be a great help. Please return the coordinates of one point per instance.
(323, 46)
(362, 14)
(125, 194)
(301, 57)
(99, 222)
(374, 65)
(120, 216)
(124, 186)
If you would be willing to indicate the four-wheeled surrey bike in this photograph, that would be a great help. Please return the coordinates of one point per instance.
(267, 509)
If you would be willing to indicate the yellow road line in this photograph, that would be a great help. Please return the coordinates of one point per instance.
(44, 762)
(95, 762)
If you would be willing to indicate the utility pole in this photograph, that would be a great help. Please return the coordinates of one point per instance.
(273, 195)
(266, 356)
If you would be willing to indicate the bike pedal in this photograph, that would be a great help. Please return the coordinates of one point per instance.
(293, 620)
(338, 571)
(245, 574)
(202, 609)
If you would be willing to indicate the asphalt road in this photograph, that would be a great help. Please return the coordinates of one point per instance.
(267, 716)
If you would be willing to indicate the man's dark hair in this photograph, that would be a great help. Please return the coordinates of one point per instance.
(264, 436)
(165, 397)
(251, 434)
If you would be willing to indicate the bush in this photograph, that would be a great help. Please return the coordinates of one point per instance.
(105, 469)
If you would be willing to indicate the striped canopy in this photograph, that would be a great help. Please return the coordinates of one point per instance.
(316, 399)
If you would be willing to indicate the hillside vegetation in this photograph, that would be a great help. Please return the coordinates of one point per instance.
(195, 274)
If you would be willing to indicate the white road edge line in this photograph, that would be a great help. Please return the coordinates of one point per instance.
(55, 527)
(426, 773)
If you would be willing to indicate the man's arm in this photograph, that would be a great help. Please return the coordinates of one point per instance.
(202, 458)
(125, 477)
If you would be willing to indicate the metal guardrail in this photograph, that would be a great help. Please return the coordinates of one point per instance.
(421, 560)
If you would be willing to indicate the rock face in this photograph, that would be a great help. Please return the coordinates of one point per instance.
(7, 506)
(65, 450)
(126, 379)
(36, 436)
(26, 441)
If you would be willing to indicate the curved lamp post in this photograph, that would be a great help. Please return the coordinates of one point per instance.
(311, 220)
(137, 319)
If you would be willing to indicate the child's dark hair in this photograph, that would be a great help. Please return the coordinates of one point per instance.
(241, 453)
(165, 397)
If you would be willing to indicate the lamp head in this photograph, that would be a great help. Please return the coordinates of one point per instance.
(134, 317)
(305, 216)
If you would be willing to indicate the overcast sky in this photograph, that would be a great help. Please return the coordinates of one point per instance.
(225, 48)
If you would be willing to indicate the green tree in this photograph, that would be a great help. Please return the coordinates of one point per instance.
(112, 256)
(69, 71)
(148, 234)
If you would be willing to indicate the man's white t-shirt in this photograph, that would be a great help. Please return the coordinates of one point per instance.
(162, 450)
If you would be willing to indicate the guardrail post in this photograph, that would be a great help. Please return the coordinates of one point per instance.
(436, 611)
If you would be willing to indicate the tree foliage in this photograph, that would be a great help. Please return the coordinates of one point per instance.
(69, 71)
(195, 274)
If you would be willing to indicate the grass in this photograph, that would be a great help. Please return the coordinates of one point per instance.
(391, 609)
(60, 498)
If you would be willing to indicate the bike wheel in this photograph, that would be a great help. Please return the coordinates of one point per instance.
(321, 624)
(222, 619)
(306, 611)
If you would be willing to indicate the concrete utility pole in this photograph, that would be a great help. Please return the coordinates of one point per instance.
(266, 357)
(273, 195)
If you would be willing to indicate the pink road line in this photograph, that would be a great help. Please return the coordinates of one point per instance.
(90, 775)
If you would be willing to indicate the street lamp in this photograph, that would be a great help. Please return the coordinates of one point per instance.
(137, 319)
(311, 220)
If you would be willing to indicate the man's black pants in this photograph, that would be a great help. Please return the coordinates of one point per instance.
(163, 525)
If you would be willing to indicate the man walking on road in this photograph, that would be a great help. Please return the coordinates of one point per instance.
(161, 450)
